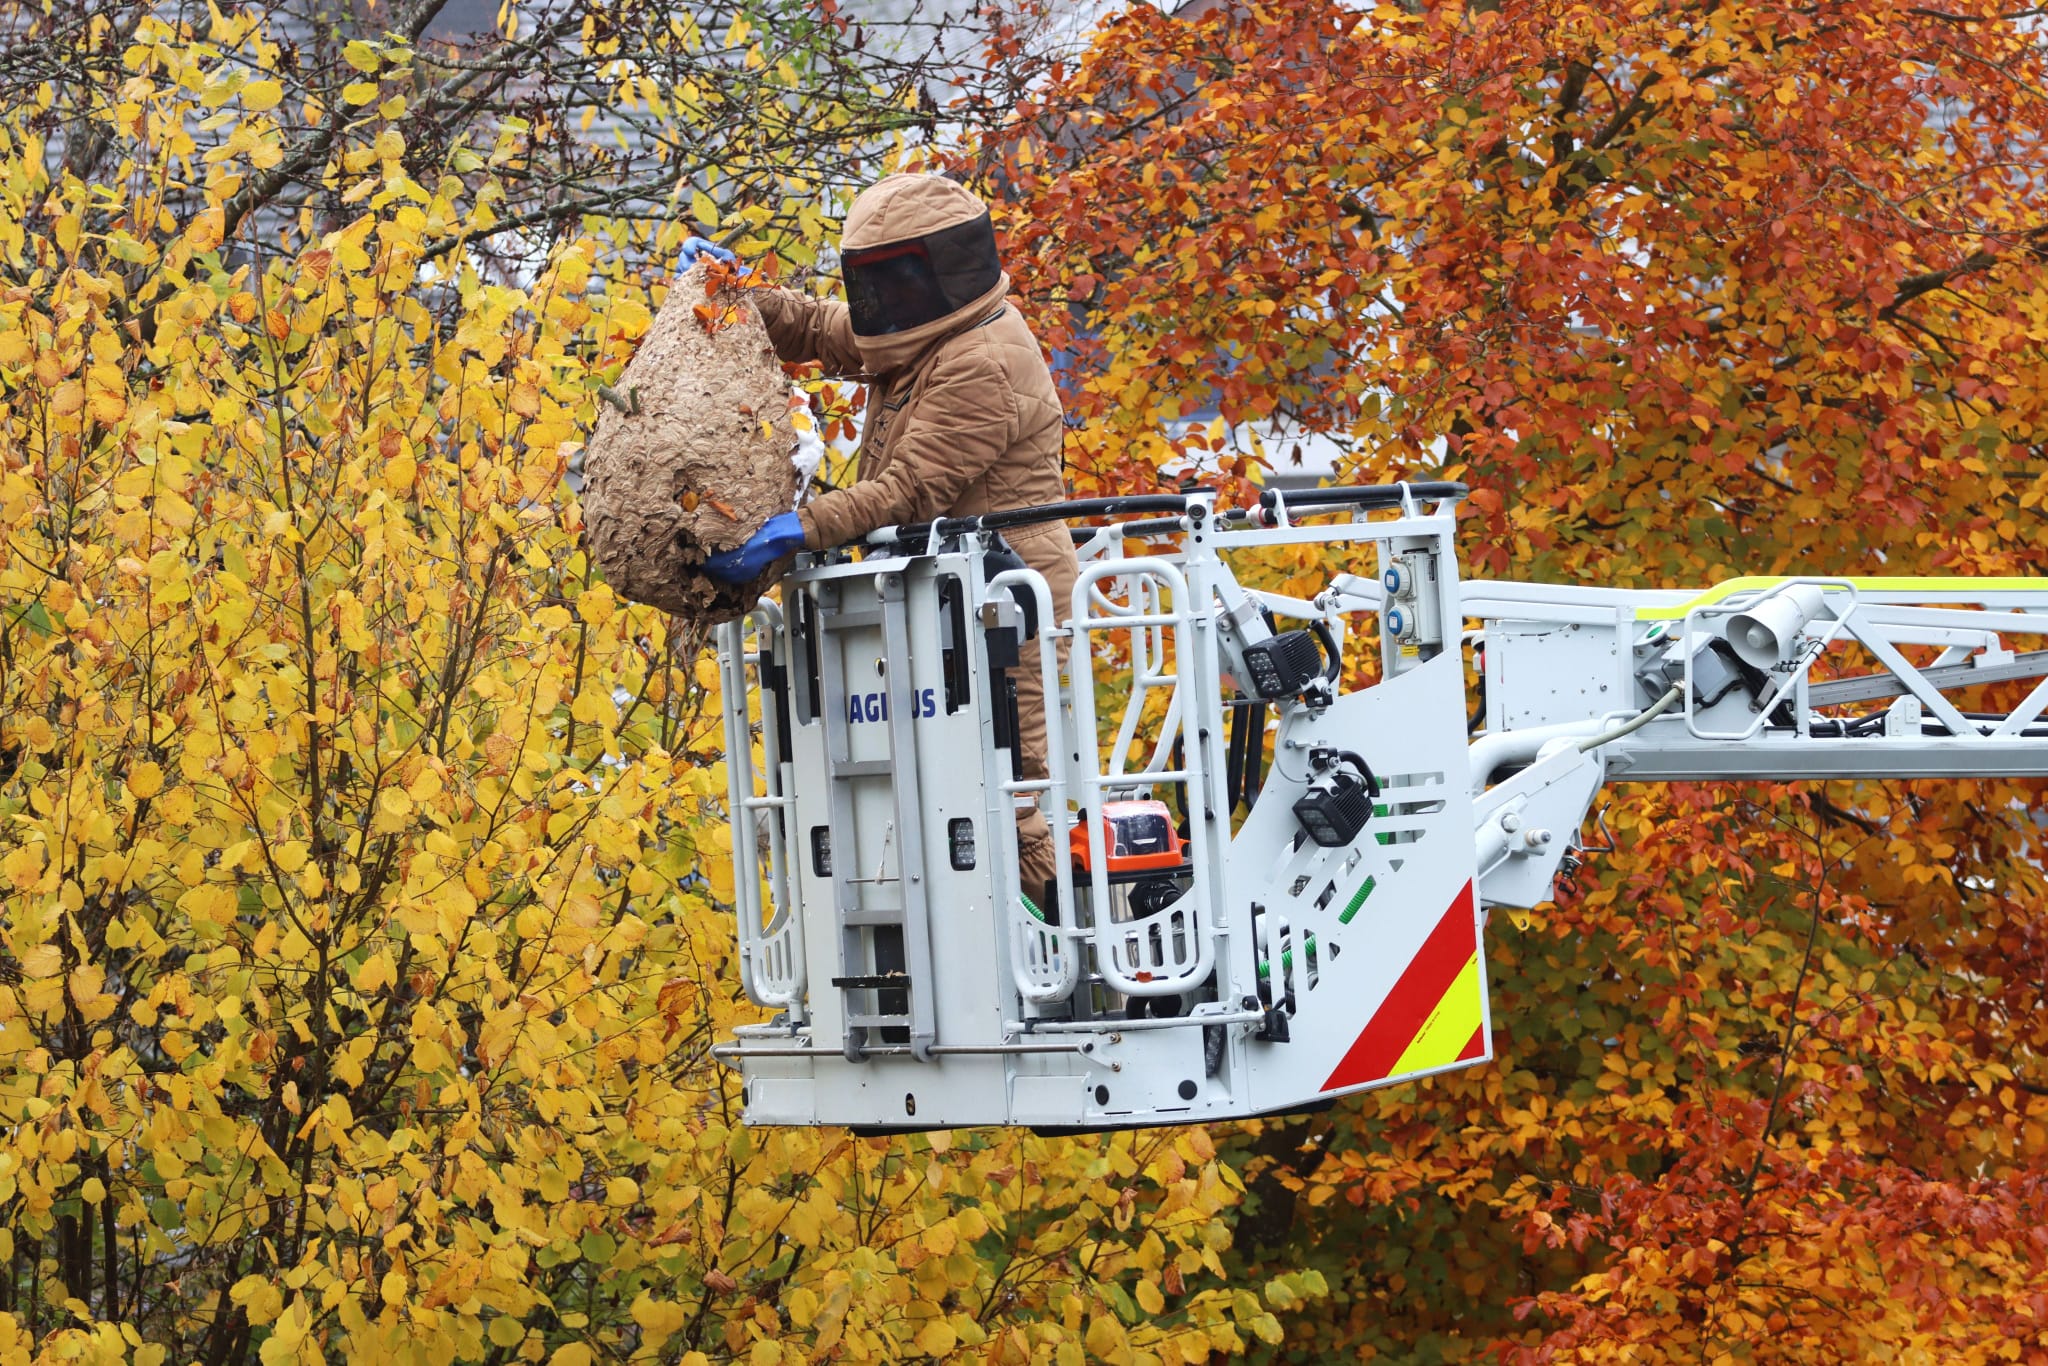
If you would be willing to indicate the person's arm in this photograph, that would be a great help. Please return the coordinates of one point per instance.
(962, 426)
(805, 329)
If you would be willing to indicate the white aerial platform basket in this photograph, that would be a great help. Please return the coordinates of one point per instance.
(1282, 954)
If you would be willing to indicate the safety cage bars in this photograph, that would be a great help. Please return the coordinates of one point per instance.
(1161, 605)
(1775, 635)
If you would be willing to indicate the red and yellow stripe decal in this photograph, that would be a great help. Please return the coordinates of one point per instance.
(1433, 1017)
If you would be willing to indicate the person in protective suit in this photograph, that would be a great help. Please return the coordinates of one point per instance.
(962, 414)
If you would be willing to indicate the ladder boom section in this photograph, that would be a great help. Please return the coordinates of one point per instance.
(1778, 679)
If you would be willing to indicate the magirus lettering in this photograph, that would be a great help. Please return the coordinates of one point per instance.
(874, 706)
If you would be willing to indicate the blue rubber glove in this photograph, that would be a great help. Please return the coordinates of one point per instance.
(782, 535)
(695, 247)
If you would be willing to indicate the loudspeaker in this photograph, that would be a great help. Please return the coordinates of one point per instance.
(1765, 635)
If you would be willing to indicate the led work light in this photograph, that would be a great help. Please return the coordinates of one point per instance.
(1339, 798)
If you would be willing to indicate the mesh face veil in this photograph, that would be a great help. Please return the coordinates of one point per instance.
(901, 285)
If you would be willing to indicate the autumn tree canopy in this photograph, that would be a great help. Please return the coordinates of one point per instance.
(365, 922)
(366, 916)
(1716, 277)
(1685, 292)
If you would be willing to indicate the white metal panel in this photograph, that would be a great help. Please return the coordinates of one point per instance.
(1542, 673)
(1374, 906)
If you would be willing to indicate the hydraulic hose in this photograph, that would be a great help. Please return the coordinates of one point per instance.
(1634, 723)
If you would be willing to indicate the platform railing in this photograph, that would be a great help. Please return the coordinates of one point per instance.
(1171, 950)
(1045, 955)
(771, 941)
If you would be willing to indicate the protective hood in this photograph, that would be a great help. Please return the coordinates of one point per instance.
(919, 260)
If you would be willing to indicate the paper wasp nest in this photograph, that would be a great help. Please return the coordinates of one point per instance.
(710, 454)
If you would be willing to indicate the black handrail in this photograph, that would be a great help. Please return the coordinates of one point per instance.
(1068, 511)
(1363, 495)
(1073, 509)
(1151, 505)
(1144, 526)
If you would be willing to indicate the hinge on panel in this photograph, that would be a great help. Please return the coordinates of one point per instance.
(1274, 1028)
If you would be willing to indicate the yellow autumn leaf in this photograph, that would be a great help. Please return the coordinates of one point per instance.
(41, 960)
(1105, 1339)
(259, 1297)
(145, 779)
(375, 974)
(426, 784)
